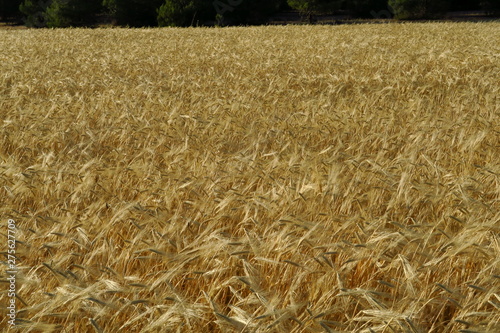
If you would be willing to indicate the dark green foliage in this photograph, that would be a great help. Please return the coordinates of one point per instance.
(134, 13)
(492, 7)
(64, 13)
(56, 15)
(59, 13)
(407, 9)
(175, 13)
(315, 6)
(367, 8)
(309, 8)
(137, 13)
(219, 12)
(34, 12)
(419, 9)
(182, 13)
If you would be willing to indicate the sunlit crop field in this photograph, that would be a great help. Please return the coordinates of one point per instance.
(263, 179)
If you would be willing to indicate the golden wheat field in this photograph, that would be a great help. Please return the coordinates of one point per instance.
(252, 179)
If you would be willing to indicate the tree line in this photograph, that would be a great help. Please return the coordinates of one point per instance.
(182, 13)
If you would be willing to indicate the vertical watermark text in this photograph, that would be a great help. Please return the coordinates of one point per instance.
(11, 271)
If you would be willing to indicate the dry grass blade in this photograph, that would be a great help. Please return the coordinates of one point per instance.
(253, 179)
